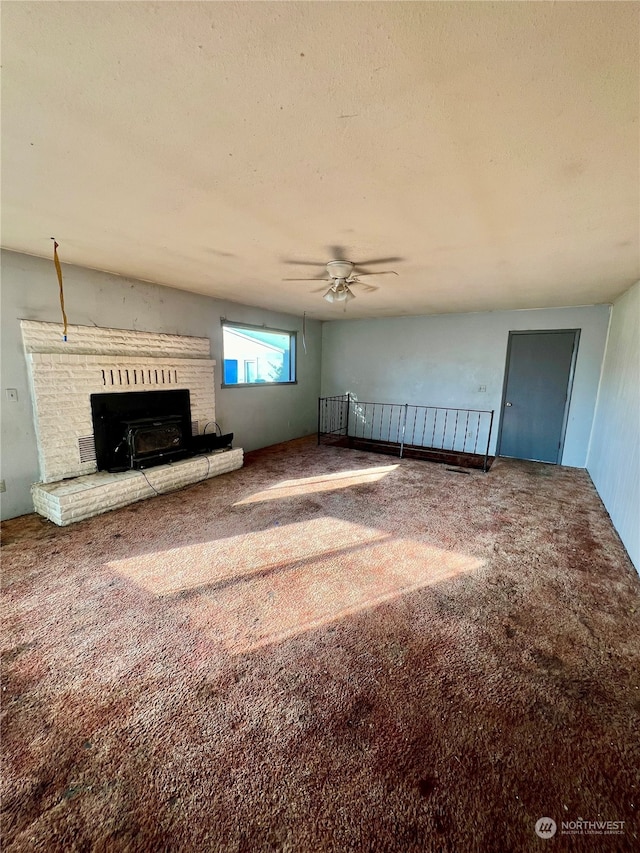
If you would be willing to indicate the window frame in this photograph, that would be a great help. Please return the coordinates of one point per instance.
(292, 334)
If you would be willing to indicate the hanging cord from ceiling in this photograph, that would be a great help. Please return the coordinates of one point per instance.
(56, 262)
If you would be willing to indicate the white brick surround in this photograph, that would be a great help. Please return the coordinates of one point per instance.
(47, 337)
(96, 361)
(83, 497)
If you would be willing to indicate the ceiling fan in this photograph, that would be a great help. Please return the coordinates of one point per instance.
(342, 274)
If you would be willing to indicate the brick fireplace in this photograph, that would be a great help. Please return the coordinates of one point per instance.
(94, 362)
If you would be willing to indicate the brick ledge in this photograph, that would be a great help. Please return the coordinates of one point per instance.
(83, 497)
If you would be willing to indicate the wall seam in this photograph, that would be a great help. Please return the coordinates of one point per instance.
(598, 392)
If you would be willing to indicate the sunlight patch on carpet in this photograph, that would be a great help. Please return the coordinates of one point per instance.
(333, 588)
(264, 587)
(235, 559)
(322, 483)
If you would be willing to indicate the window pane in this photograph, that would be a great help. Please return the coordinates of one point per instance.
(252, 356)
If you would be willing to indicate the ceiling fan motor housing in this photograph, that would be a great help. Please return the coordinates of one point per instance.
(339, 269)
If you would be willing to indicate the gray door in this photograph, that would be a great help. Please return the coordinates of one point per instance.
(537, 392)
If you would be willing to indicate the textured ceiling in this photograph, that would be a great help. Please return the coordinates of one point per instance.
(493, 148)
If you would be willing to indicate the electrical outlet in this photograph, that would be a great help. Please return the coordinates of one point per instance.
(482, 388)
(3, 487)
(12, 395)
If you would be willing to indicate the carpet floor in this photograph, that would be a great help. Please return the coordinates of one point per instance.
(326, 650)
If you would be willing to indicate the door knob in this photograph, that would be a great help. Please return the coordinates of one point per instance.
(508, 404)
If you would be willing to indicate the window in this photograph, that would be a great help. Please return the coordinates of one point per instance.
(253, 355)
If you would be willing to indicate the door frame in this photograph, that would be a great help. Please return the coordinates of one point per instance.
(567, 402)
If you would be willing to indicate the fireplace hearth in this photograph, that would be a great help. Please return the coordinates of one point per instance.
(139, 429)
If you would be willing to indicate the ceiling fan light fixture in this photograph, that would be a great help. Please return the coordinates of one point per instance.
(339, 292)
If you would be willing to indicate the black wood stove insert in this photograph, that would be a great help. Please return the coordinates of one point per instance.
(139, 429)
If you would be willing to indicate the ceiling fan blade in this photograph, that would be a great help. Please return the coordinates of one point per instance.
(315, 278)
(377, 261)
(382, 272)
(369, 288)
(305, 263)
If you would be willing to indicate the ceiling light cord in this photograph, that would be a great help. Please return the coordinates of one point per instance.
(56, 262)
